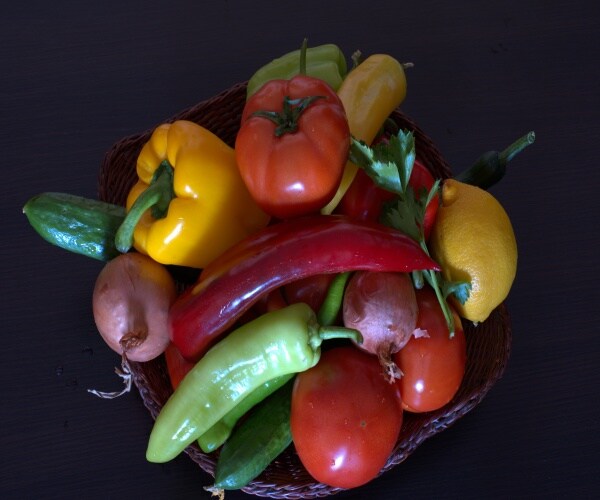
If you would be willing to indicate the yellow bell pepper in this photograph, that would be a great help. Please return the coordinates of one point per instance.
(370, 92)
(190, 203)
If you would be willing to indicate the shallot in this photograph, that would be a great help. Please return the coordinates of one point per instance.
(383, 307)
(131, 302)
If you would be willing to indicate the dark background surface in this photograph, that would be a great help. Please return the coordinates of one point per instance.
(76, 77)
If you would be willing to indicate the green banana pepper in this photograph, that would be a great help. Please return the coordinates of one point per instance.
(281, 342)
(326, 62)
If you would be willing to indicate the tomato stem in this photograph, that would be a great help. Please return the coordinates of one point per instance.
(287, 121)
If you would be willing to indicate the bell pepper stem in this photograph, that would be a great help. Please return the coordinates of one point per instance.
(516, 147)
(157, 197)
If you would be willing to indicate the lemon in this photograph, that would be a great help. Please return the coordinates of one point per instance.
(473, 241)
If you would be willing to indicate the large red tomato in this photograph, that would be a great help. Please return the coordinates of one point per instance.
(346, 418)
(433, 367)
(293, 145)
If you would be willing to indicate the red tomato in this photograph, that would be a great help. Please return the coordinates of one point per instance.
(297, 171)
(177, 365)
(432, 367)
(364, 199)
(346, 418)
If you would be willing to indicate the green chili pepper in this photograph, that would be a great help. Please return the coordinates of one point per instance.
(281, 342)
(326, 62)
(220, 432)
(490, 167)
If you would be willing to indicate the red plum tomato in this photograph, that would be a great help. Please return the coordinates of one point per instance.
(346, 417)
(433, 367)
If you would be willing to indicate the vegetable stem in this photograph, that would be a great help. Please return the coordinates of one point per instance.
(339, 332)
(516, 147)
(303, 57)
(157, 197)
(287, 121)
(330, 308)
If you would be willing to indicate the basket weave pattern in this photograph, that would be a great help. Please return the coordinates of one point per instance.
(488, 345)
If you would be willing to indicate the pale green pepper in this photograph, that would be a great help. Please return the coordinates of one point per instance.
(285, 341)
(326, 62)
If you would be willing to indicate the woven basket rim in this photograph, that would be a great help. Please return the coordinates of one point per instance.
(488, 344)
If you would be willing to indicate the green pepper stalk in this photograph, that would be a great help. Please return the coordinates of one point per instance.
(330, 309)
(281, 342)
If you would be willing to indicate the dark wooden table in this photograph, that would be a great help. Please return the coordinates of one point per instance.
(78, 76)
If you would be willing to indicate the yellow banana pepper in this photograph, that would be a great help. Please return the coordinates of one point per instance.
(190, 203)
(370, 92)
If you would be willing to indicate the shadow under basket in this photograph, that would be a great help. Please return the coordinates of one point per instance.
(488, 344)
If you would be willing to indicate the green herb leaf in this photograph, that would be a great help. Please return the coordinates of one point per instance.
(403, 214)
(389, 165)
(376, 164)
(460, 289)
(402, 147)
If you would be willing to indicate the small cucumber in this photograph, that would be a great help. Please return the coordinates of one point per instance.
(259, 439)
(80, 225)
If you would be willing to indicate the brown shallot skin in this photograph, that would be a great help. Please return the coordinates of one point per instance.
(131, 302)
(383, 307)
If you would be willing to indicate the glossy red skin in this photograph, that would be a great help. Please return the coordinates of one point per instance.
(277, 255)
(177, 365)
(420, 179)
(433, 367)
(296, 173)
(346, 418)
(364, 199)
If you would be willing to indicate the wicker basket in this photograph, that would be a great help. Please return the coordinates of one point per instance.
(488, 345)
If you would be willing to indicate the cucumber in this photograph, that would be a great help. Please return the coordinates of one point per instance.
(80, 225)
(259, 439)
(220, 432)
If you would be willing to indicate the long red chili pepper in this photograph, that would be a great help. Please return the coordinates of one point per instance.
(277, 255)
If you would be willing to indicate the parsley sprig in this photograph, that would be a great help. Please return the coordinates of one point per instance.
(390, 164)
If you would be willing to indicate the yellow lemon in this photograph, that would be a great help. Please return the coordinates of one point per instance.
(473, 240)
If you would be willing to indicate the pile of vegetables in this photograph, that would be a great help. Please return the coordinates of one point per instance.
(318, 316)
